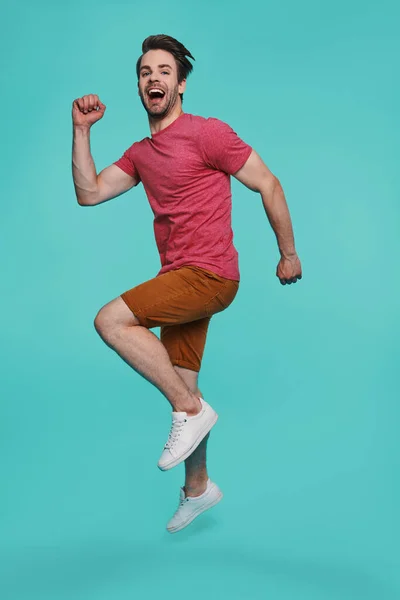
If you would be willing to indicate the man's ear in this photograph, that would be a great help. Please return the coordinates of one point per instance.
(182, 86)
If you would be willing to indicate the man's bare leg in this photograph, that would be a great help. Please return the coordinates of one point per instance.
(196, 475)
(145, 353)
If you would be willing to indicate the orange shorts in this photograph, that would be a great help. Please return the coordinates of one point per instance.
(181, 302)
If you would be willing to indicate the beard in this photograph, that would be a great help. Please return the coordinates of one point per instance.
(160, 109)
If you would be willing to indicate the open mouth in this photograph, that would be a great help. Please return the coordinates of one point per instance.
(156, 94)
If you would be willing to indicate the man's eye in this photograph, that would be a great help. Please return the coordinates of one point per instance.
(145, 73)
(164, 72)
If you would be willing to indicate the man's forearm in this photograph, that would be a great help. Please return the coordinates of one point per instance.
(83, 167)
(278, 215)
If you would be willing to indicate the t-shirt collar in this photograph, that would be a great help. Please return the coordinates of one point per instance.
(158, 133)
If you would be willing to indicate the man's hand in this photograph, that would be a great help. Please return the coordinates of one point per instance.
(289, 270)
(87, 110)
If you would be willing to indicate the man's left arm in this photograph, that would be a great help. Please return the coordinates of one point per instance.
(257, 177)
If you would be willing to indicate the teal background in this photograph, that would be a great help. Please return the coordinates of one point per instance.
(305, 378)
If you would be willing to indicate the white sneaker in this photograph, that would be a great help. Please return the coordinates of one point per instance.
(190, 508)
(186, 434)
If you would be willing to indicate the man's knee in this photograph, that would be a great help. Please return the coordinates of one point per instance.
(100, 322)
(113, 315)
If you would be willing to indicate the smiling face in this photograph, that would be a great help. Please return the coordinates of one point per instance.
(158, 83)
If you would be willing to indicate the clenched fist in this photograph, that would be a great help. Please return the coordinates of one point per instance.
(87, 110)
(289, 270)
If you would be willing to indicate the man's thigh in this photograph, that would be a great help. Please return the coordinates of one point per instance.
(181, 302)
(180, 296)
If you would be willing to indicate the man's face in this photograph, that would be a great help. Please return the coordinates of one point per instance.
(158, 83)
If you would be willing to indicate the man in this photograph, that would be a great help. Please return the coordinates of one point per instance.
(185, 167)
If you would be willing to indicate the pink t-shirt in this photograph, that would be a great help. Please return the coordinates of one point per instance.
(185, 170)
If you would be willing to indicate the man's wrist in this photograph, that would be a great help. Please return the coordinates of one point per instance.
(288, 254)
(82, 129)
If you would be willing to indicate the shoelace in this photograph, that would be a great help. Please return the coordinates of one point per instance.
(174, 434)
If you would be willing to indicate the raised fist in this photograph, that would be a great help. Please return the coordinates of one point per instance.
(87, 110)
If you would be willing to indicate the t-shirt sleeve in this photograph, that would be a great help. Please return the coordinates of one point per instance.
(222, 148)
(126, 164)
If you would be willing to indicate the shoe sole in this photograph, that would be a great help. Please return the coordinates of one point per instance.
(196, 514)
(190, 451)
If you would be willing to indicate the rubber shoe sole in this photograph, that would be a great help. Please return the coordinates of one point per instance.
(195, 514)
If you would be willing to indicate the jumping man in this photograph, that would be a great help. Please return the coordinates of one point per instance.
(185, 167)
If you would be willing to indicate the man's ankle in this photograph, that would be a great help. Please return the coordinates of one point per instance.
(196, 408)
(192, 406)
(195, 488)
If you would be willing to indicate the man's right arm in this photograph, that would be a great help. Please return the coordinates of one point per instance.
(90, 188)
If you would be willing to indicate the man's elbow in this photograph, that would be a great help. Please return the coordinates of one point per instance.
(83, 202)
(88, 199)
(268, 184)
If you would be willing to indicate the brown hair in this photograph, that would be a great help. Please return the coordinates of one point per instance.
(169, 44)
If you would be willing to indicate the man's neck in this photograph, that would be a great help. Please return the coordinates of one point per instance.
(157, 125)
